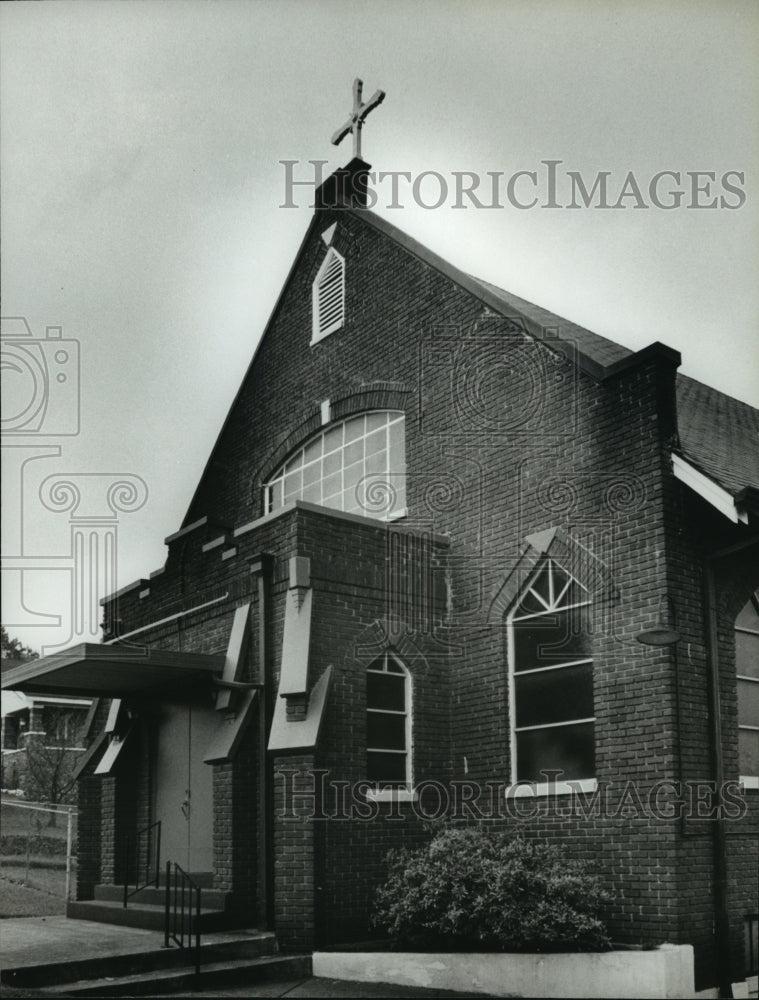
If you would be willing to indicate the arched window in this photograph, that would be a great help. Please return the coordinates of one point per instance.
(551, 680)
(357, 465)
(388, 724)
(328, 296)
(747, 669)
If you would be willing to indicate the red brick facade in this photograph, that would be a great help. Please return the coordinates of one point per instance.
(507, 434)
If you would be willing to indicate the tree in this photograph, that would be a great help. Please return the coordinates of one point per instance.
(51, 758)
(14, 649)
(49, 755)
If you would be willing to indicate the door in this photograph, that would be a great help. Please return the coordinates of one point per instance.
(183, 787)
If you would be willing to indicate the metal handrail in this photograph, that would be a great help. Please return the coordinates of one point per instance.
(178, 912)
(152, 837)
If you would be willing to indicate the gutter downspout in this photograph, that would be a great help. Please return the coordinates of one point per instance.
(260, 568)
(721, 914)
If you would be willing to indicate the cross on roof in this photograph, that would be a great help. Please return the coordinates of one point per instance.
(356, 118)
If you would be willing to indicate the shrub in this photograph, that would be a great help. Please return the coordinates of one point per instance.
(489, 891)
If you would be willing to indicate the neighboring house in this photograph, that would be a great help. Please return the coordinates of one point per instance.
(42, 740)
(422, 572)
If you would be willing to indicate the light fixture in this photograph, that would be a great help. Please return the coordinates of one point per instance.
(662, 634)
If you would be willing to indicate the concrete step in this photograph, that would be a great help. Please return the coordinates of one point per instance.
(225, 948)
(212, 975)
(146, 915)
(214, 899)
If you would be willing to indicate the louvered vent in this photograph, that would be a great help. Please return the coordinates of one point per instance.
(329, 296)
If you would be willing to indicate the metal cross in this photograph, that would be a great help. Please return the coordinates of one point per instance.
(356, 119)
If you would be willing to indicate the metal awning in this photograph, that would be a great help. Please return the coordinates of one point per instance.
(113, 671)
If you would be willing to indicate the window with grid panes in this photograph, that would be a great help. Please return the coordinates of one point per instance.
(747, 669)
(357, 465)
(552, 715)
(388, 723)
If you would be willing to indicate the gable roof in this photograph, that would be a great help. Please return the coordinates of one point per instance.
(711, 445)
(718, 434)
(594, 353)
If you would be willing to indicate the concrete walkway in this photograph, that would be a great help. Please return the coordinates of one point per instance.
(26, 941)
(32, 941)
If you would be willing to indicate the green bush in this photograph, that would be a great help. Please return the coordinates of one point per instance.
(470, 889)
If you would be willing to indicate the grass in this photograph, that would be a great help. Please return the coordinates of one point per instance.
(18, 820)
(25, 901)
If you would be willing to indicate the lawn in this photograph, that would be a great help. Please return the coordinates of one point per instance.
(21, 821)
(23, 901)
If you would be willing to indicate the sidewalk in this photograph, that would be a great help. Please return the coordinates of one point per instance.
(32, 941)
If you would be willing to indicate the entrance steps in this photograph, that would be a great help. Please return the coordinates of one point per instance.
(146, 909)
(228, 959)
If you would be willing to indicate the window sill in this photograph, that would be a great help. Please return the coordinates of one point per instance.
(534, 788)
(390, 795)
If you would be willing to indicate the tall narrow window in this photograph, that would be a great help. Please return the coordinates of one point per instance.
(552, 716)
(747, 669)
(328, 296)
(357, 465)
(388, 724)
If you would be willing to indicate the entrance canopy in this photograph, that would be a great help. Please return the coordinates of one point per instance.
(113, 671)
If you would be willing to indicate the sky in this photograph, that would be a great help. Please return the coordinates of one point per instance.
(142, 187)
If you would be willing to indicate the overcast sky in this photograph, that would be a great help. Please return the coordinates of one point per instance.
(141, 187)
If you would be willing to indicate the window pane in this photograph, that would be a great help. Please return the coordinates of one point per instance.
(375, 420)
(389, 768)
(350, 503)
(275, 495)
(313, 450)
(399, 485)
(748, 617)
(748, 703)
(393, 668)
(530, 605)
(333, 438)
(332, 463)
(312, 473)
(353, 452)
(354, 428)
(292, 485)
(332, 485)
(312, 493)
(352, 474)
(747, 654)
(551, 638)
(748, 752)
(541, 585)
(574, 595)
(397, 446)
(385, 732)
(555, 695)
(566, 748)
(376, 462)
(386, 691)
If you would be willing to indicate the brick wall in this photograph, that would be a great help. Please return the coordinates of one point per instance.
(504, 437)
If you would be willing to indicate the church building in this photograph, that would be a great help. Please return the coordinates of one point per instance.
(453, 559)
